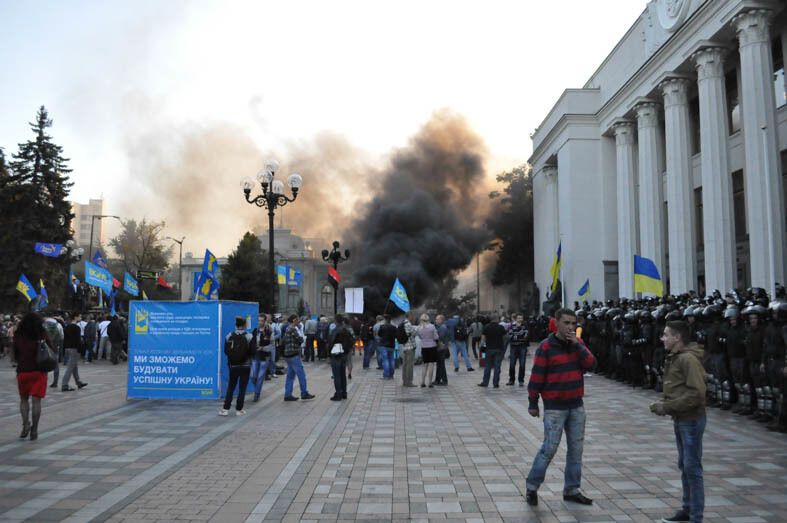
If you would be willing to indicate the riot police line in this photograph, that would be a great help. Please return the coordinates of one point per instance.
(743, 333)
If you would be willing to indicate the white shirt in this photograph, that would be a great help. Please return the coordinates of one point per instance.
(102, 328)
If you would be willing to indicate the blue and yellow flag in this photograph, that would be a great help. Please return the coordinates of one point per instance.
(210, 264)
(206, 287)
(43, 301)
(646, 277)
(98, 277)
(399, 296)
(98, 259)
(72, 278)
(27, 290)
(554, 271)
(130, 285)
(584, 291)
(281, 274)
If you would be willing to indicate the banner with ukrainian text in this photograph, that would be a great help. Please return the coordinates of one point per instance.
(130, 285)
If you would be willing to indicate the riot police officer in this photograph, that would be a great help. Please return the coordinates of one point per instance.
(714, 353)
(773, 362)
(755, 340)
(732, 337)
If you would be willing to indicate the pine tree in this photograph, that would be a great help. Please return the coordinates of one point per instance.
(33, 193)
(245, 276)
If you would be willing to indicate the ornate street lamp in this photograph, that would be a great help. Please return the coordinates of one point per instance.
(335, 257)
(272, 197)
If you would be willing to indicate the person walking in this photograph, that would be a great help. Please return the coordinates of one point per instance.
(54, 331)
(519, 335)
(475, 332)
(115, 333)
(341, 342)
(493, 341)
(239, 347)
(292, 355)
(90, 338)
(262, 355)
(367, 338)
(445, 335)
(684, 401)
(429, 338)
(557, 377)
(406, 334)
(29, 379)
(103, 336)
(386, 334)
(72, 342)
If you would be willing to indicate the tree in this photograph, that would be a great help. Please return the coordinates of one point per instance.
(34, 188)
(245, 276)
(512, 225)
(139, 246)
(444, 302)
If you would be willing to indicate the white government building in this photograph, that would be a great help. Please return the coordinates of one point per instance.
(674, 150)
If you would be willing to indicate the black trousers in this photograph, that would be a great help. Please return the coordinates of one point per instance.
(441, 376)
(339, 369)
(237, 373)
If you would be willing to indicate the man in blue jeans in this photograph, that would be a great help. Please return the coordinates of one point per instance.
(259, 363)
(557, 377)
(684, 401)
(292, 355)
(387, 336)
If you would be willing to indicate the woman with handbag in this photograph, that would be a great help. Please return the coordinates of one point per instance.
(340, 342)
(34, 357)
(428, 334)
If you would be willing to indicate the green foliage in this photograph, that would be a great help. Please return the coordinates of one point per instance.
(139, 246)
(245, 276)
(512, 225)
(34, 188)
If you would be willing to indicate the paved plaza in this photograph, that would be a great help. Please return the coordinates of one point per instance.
(456, 453)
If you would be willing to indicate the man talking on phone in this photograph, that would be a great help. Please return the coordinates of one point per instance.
(557, 377)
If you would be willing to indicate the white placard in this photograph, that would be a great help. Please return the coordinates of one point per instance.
(353, 300)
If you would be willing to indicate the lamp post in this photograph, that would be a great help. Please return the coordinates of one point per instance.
(272, 197)
(180, 263)
(92, 223)
(335, 257)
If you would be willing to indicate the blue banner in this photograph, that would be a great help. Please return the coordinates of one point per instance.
(130, 285)
(101, 278)
(53, 250)
(174, 350)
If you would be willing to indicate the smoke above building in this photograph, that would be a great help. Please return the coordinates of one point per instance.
(425, 220)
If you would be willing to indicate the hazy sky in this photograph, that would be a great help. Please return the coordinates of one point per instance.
(120, 76)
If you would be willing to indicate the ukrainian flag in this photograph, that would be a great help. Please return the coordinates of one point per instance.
(646, 277)
(43, 303)
(555, 270)
(281, 274)
(584, 291)
(26, 288)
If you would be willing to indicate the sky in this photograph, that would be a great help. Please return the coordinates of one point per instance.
(158, 103)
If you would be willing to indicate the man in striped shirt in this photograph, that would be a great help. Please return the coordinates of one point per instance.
(557, 376)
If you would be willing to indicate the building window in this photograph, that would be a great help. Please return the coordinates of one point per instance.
(739, 205)
(292, 299)
(733, 102)
(779, 90)
(698, 226)
(326, 297)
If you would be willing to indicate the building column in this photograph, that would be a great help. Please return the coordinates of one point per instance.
(762, 173)
(651, 189)
(626, 161)
(551, 197)
(680, 189)
(717, 213)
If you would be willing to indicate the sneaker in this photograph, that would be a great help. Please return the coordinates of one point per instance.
(336, 398)
(67, 389)
(521, 384)
(81, 385)
(531, 496)
(456, 369)
(240, 412)
(510, 383)
(308, 396)
(290, 398)
(680, 516)
(224, 412)
(471, 369)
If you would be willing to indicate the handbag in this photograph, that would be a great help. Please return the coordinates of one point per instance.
(45, 358)
(337, 349)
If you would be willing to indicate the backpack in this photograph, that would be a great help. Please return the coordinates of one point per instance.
(460, 332)
(237, 348)
(401, 334)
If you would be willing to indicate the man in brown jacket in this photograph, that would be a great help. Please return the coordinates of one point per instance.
(684, 401)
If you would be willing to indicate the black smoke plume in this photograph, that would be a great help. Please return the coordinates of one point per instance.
(424, 223)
